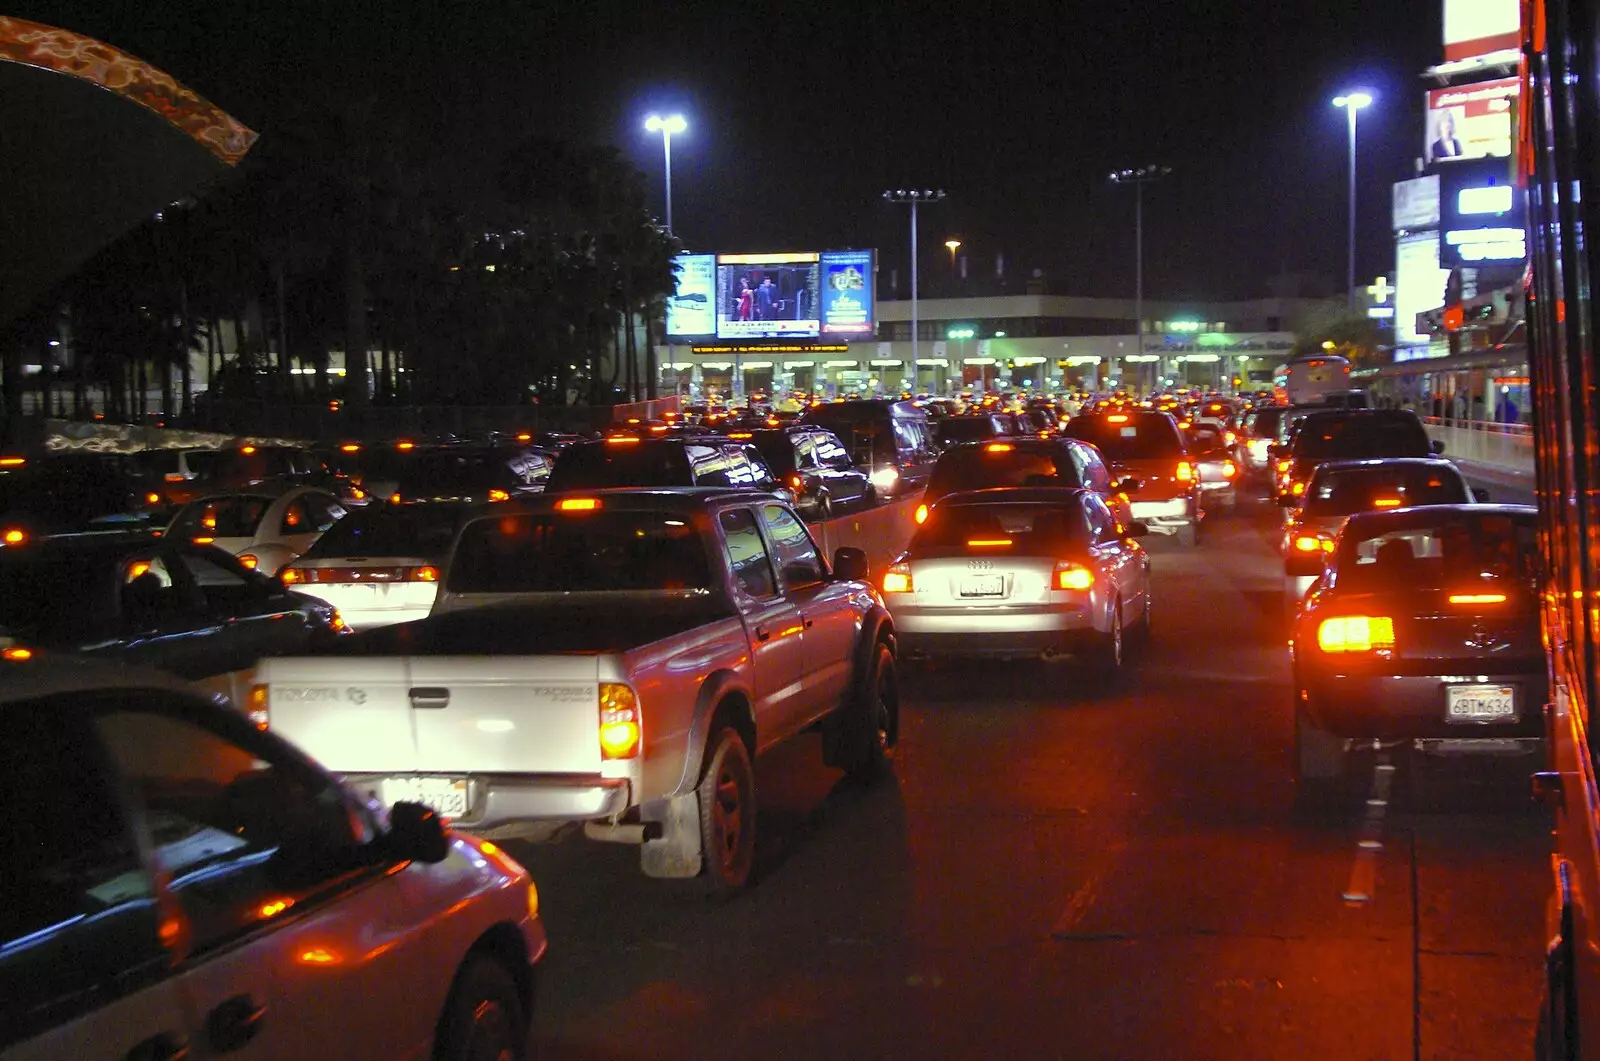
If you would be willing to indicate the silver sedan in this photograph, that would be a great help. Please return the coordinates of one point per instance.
(1012, 573)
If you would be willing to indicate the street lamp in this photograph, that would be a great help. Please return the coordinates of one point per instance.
(1352, 102)
(952, 245)
(673, 123)
(914, 196)
(1138, 178)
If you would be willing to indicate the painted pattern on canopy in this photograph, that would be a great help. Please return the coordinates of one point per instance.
(75, 55)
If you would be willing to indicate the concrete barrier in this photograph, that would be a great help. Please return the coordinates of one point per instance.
(1503, 447)
(881, 532)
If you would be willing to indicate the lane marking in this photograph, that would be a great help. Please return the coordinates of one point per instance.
(1364, 874)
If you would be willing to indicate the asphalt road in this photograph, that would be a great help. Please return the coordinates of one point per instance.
(1063, 869)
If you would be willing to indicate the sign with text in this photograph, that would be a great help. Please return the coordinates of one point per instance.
(1416, 204)
(692, 310)
(848, 279)
(1471, 121)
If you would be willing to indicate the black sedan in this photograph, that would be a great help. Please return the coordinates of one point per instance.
(815, 466)
(1422, 634)
(191, 610)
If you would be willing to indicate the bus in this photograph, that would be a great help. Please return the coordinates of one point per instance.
(1310, 380)
(1559, 166)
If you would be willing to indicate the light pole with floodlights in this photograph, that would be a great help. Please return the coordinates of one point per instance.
(1138, 178)
(1352, 102)
(914, 196)
(673, 123)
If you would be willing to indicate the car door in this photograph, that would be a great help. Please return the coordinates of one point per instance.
(1116, 558)
(288, 935)
(773, 625)
(827, 611)
(846, 482)
(84, 973)
(162, 616)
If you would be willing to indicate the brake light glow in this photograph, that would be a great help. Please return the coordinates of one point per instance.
(897, 579)
(1477, 598)
(620, 440)
(350, 447)
(620, 735)
(250, 560)
(1386, 502)
(1073, 576)
(1308, 543)
(290, 575)
(657, 429)
(257, 706)
(577, 504)
(1185, 472)
(998, 447)
(16, 536)
(524, 436)
(922, 514)
(337, 624)
(17, 655)
(795, 482)
(1283, 465)
(1117, 418)
(1356, 633)
(405, 445)
(152, 499)
(1229, 469)
(247, 449)
(499, 495)
(203, 540)
(988, 543)
(12, 462)
(173, 477)
(1297, 489)
(740, 434)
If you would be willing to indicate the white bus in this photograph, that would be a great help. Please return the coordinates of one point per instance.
(1312, 379)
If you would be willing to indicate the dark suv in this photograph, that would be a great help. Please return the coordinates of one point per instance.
(625, 460)
(815, 466)
(1068, 463)
(1347, 434)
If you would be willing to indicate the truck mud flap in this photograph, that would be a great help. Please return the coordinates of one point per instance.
(676, 853)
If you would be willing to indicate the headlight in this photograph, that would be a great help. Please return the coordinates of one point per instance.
(884, 478)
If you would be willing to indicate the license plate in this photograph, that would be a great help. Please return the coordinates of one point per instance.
(446, 795)
(1480, 703)
(983, 586)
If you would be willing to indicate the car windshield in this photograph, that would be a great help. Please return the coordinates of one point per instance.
(1346, 491)
(221, 517)
(1129, 437)
(979, 467)
(391, 530)
(1456, 549)
(593, 551)
(617, 463)
(1357, 437)
(1016, 528)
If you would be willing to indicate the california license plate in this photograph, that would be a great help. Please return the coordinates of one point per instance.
(1480, 703)
(983, 585)
(446, 795)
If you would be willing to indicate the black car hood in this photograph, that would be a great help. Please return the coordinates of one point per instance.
(561, 625)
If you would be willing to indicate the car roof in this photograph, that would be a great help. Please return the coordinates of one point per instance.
(1016, 442)
(1387, 462)
(93, 543)
(1014, 495)
(684, 498)
(1375, 522)
(1316, 413)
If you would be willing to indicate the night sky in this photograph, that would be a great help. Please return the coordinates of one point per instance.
(802, 114)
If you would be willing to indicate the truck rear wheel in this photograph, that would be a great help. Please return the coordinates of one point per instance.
(727, 794)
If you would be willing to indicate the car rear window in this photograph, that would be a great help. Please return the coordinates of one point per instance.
(968, 429)
(1346, 491)
(1357, 437)
(221, 517)
(1455, 550)
(1263, 423)
(450, 472)
(408, 530)
(979, 468)
(604, 464)
(1016, 528)
(587, 552)
(1129, 436)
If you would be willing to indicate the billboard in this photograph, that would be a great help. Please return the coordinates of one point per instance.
(1471, 121)
(1481, 216)
(795, 295)
(1477, 27)
(1416, 203)
(847, 292)
(1418, 284)
(692, 309)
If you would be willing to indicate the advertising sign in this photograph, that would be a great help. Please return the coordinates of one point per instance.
(1481, 216)
(768, 296)
(847, 293)
(691, 311)
(1419, 285)
(1416, 203)
(1471, 121)
(1478, 27)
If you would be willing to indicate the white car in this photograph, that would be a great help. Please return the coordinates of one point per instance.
(180, 883)
(264, 528)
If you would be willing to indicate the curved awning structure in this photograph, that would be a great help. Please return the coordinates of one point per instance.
(95, 140)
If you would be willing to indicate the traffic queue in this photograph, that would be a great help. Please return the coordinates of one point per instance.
(319, 671)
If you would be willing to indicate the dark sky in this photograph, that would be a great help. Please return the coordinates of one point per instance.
(802, 114)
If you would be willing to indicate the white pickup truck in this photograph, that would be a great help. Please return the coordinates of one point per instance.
(615, 658)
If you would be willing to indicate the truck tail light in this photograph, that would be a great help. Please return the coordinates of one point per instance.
(922, 514)
(1356, 633)
(256, 709)
(425, 573)
(250, 560)
(619, 721)
(291, 575)
(897, 579)
(1310, 543)
(1073, 576)
(1229, 469)
(1185, 472)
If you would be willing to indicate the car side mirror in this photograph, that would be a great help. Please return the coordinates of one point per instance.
(1136, 529)
(1300, 565)
(1480, 495)
(1436, 446)
(416, 832)
(850, 565)
(1127, 484)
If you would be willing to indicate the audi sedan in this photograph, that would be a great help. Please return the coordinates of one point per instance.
(1021, 573)
(1421, 634)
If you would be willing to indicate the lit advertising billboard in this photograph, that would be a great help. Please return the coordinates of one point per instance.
(1416, 203)
(1481, 216)
(1418, 284)
(1471, 121)
(768, 296)
(1479, 27)
(848, 279)
(692, 309)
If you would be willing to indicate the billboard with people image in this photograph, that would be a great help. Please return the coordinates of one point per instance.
(795, 295)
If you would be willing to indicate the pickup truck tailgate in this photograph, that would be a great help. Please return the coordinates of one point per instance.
(506, 714)
(351, 715)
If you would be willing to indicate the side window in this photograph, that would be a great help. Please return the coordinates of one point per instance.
(325, 511)
(805, 452)
(1093, 469)
(225, 586)
(709, 465)
(243, 833)
(798, 559)
(79, 924)
(747, 553)
(831, 452)
(150, 596)
(1102, 527)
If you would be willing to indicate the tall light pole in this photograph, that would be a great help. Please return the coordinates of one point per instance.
(1138, 178)
(673, 123)
(914, 196)
(1352, 102)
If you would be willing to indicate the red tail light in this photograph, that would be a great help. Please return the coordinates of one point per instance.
(795, 483)
(897, 579)
(1356, 633)
(1073, 576)
(620, 734)
(1185, 472)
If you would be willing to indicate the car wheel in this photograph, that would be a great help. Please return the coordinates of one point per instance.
(483, 1018)
(871, 730)
(1107, 654)
(1146, 631)
(1318, 755)
(727, 793)
(824, 508)
(1188, 535)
